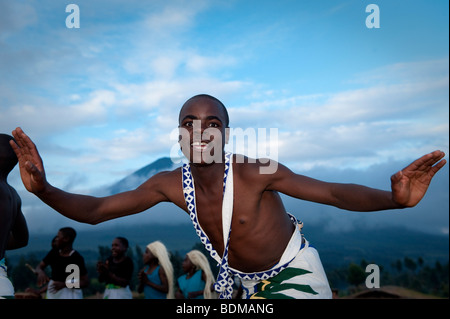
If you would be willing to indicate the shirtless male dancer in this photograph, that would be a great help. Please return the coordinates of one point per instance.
(265, 248)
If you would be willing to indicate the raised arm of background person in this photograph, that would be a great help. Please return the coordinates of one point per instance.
(42, 277)
(408, 187)
(82, 208)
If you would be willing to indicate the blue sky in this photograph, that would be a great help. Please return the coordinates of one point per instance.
(101, 100)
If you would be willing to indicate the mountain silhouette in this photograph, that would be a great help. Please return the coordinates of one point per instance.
(138, 177)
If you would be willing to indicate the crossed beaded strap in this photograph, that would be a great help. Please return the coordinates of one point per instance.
(224, 281)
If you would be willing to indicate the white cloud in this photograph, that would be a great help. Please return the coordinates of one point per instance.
(120, 147)
(405, 72)
(44, 116)
(205, 64)
(166, 95)
(361, 127)
(165, 66)
(174, 16)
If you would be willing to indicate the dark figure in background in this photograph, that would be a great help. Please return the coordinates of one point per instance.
(13, 226)
(116, 271)
(59, 259)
